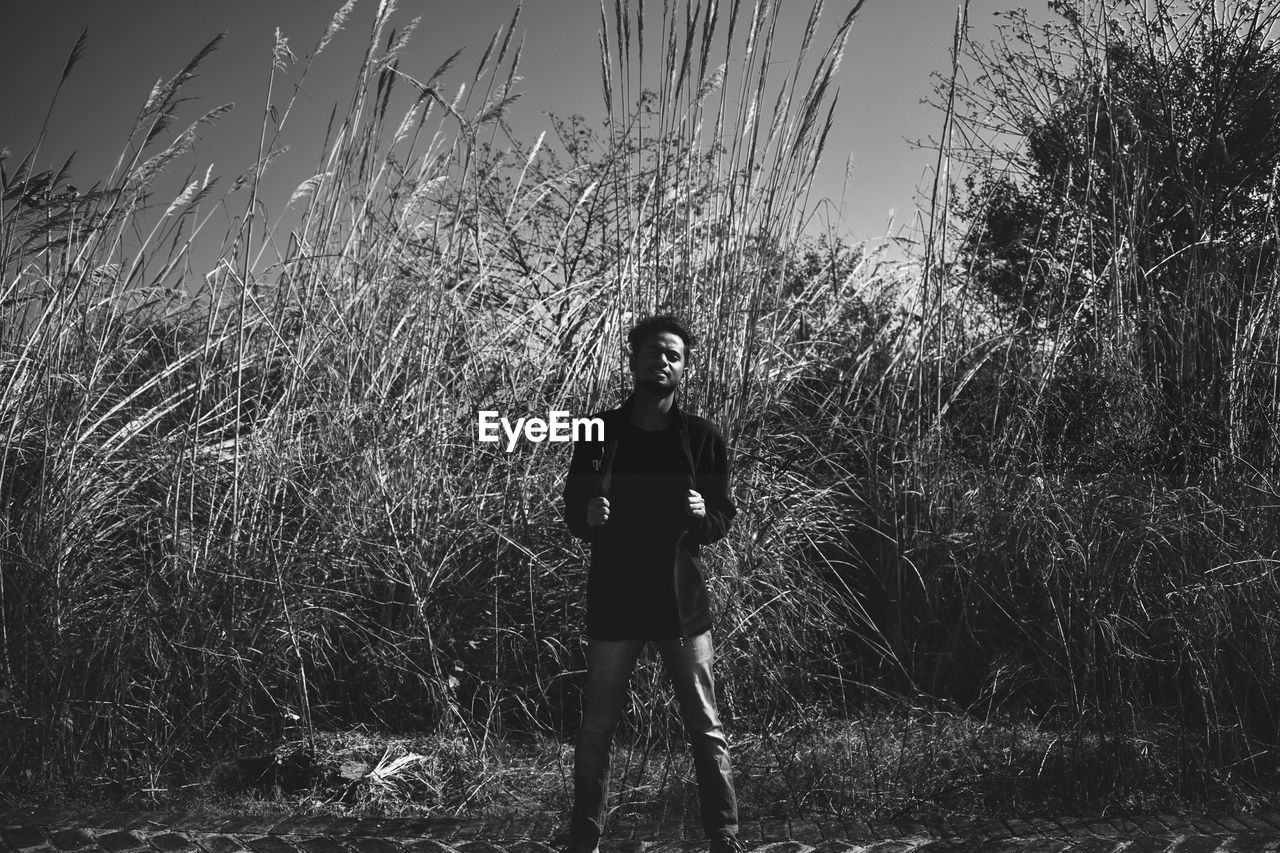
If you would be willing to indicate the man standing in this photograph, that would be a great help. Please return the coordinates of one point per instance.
(647, 498)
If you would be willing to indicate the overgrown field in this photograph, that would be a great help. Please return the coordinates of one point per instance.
(1029, 475)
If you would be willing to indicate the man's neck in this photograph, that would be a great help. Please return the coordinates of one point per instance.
(648, 411)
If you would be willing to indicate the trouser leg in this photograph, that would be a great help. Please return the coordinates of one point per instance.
(689, 662)
(609, 665)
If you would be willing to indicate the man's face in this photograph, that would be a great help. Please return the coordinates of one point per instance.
(659, 363)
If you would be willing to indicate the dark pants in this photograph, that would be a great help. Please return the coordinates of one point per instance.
(688, 664)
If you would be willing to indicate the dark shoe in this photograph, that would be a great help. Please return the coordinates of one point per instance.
(571, 846)
(727, 844)
(565, 843)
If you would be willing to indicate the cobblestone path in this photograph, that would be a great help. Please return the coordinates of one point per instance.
(60, 831)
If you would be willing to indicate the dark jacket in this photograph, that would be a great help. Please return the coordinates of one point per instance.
(706, 460)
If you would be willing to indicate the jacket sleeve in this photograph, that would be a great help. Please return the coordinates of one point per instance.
(578, 488)
(713, 485)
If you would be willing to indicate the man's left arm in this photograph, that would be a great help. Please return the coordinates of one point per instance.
(713, 485)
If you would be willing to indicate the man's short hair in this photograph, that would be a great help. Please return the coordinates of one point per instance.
(656, 325)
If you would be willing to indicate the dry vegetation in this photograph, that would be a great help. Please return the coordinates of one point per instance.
(247, 508)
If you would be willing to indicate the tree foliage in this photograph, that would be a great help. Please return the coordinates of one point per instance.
(1136, 206)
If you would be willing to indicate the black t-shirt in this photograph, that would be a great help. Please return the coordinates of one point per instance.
(647, 497)
(649, 484)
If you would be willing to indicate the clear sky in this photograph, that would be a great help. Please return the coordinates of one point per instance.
(894, 46)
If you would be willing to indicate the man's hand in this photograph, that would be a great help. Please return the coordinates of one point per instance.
(597, 511)
(695, 506)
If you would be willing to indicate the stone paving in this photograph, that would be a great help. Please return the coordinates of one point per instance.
(64, 831)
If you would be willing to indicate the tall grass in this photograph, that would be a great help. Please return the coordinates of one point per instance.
(1084, 526)
(248, 503)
